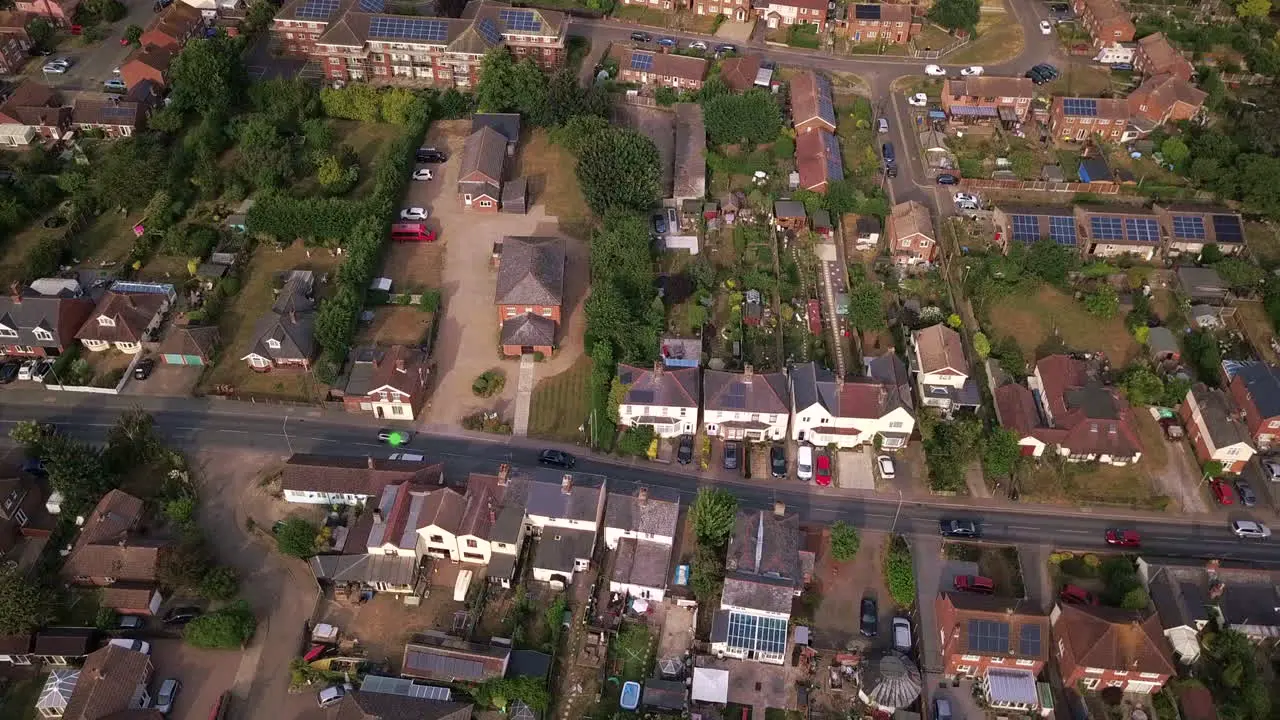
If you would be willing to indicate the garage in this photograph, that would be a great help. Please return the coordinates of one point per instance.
(189, 346)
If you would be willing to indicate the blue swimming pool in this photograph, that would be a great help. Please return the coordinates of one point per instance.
(630, 695)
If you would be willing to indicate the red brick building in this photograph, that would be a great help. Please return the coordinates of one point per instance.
(59, 12)
(1165, 98)
(36, 106)
(1255, 388)
(812, 103)
(14, 41)
(979, 633)
(148, 63)
(911, 236)
(1101, 647)
(1155, 56)
(1215, 430)
(355, 40)
(530, 292)
(818, 160)
(1074, 119)
(659, 69)
(878, 23)
(1007, 99)
(387, 383)
(173, 27)
(1105, 20)
(781, 13)
(737, 10)
(481, 170)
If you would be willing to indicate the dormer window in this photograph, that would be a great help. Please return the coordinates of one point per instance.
(104, 321)
(273, 344)
(8, 332)
(42, 334)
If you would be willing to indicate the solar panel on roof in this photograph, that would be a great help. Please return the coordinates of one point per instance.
(1029, 640)
(1062, 230)
(521, 20)
(641, 61)
(1226, 228)
(1080, 107)
(1142, 229)
(640, 397)
(735, 396)
(1026, 228)
(409, 29)
(988, 636)
(489, 31)
(405, 687)
(835, 165)
(316, 9)
(758, 634)
(1189, 227)
(1105, 228)
(373, 6)
(866, 12)
(826, 108)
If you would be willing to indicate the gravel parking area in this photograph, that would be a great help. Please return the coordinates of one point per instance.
(855, 471)
(204, 674)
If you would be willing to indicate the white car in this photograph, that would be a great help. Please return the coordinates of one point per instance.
(1250, 529)
(413, 213)
(408, 457)
(966, 198)
(804, 462)
(934, 70)
(885, 463)
(902, 634)
(28, 367)
(697, 45)
(1046, 28)
(918, 100)
(41, 370)
(57, 67)
(141, 646)
(423, 174)
(973, 71)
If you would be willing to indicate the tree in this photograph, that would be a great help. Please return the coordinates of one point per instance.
(25, 603)
(1009, 353)
(31, 435)
(635, 440)
(41, 31)
(706, 577)
(228, 628)
(899, 576)
(866, 308)
(1142, 334)
(1211, 254)
(752, 117)
(77, 471)
(268, 154)
(621, 254)
(499, 693)
(133, 34)
(1175, 152)
(955, 14)
(1136, 599)
(220, 584)
(1253, 8)
(1175, 391)
(132, 442)
(1202, 352)
(618, 170)
(184, 565)
(259, 16)
(509, 86)
(981, 345)
(1000, 453)
(1049, 261)
(297, 537)
(574, 134)
(1102, 302)
(714, 513)
(208, 75)
(1142, 386)
(844, 541)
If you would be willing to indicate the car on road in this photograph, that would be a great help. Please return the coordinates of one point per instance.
(42, 369)
(948, 179)
(804, 462)
(918, 100)
(934, 70)
(824, 470)
(698, 45)
(407, 457)
(732, 454)
(961, 197)
(182, 615)
(883, 125)
(667, 42)
(9, 372)
(886, 151)
(641, 36)
(141, 646)
(1120, 537)
(960, 528)
(331, 696)
(870, 617)
(1221, 492)
(659, 223)
(58, 66)
(1272, 469)
(430, 155)
(885, 463)
(891, 171)
(557, 458)
(778, 461)
(726, 48)
(684, 453)
(1250, 529)
(423, 174)
(1248, 497)
(394, 437)
(24, 371)
(1046, 27)
(143, 369)
(414, 213)
(1076, 595)
(166, 694)
(902, 634)
(975, 584)
(973, 71)
(115, 85)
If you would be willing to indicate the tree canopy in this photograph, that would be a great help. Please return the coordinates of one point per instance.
(1142, 386)
(25, 604)
(208, 75)
(844, 541)
(715, 511)
(955, 14)
(297, 537)
(618, 169)
(752, 117)
(1000, 453)
(228, 628)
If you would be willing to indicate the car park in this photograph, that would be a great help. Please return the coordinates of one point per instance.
(870, 617)
(777, 461)
(1250, 529)
(1247, 497)
(885, 464)
(823, 465)
(902, 634)
(960, 528)
(430, 155)
(948, 179)
(918, 100)
(667, 42)
(934, 70)
(423, 174)
(1221, 492)
(732, 454)
(1046, 27)
(1076, 595)
(1123, 538)
(557, 458)
(698, 45)
(804, 462)
(414, 213)
(643, 37)
(975, 584)
(182, 615)
(684, 453)
(973, 71)
(166, 694)
(143, 369)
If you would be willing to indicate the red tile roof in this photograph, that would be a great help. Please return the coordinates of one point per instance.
(1114, 639)
(1087, 416)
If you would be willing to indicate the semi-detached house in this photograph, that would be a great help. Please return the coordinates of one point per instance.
(1002, 645)
(943, 380)
(746, 405)
(661, 69)
(1102, 647)
(641, 529)
(1255, 387)
(827, 410)
(665, 398)
(1214, 429)
(566, 518)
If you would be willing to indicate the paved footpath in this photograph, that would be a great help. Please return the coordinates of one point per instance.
(524, 395)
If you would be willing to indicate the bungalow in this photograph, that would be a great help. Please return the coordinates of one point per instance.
(480, 172)
(937, 360)
(111, 553)
(661, 69)
(747, 405)
(1255, 387)
(1101, 647)
(437, 657)
(124, 320)
(664, 398)
(826, 410)
(344, 480)
(1110, 233)
(1215, 430)
(387, 382)
(1191, 227)
(911, 236)
(285, 335)
(812, 102)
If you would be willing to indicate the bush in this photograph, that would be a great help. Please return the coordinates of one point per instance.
(220, 583)
(486, 422)
(228, 628)
(489, 383)
(297, 537)
(899, 575)
(844, 541)
(430, 301)
(636, 440)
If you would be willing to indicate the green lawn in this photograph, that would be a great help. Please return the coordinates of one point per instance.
(561, 402)
(999, 39)
(1032, 318)
(633, 651)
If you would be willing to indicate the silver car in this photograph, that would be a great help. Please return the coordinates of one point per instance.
(1250, 529)
(166, 694)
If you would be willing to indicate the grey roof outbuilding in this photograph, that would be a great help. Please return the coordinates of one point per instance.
(505, 124)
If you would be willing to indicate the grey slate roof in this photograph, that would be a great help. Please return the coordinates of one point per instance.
(653, 515)
(435, 656)
(528, 329)
(559, 547)
(891, 370)
(506, 124)
(1262, 381)
(44, 313)
(531, 271)
(295, 296)
(690, 152)
(1215, 408)
(547, 498)
(483, 157)
(1249, 600)
(860, 397)
(755, 393)
(364, 568)
(295, 333)
(659, 386)
(788, 209)
(766, 595)
(641, 562)
(1160, 340)
(1202, 283)
(666, 694)
(765, 545)
(365, 705)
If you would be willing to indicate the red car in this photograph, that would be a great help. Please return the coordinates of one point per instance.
(1076, 595)
(824, 470)
(1123, 538)
(975, 584)
(1222, 492)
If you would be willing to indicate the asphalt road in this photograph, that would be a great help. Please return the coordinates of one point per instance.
(217, 423)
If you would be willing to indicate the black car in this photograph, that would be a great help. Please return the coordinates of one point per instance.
(143, 369)
(9, 372)
(891, 171)
(1247, 497)
(430, 155)
(684, 453)
(778, 461)
(1048, 71)
(182, 615)
(961, 528)
(886, 150)
(1036, 76)
(870, 618)
(1059, 7)
(948, 179)
(557, 458)
(732, 453)
(726, 48)
(641, 36)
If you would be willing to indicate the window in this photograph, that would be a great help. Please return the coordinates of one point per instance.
(471, 543)
(997, 661)
(11, 333)
(21, 517)
(42, 334)
(971, 658)
(1026, 663)
(1143, 108)
(437, 539)
(397, 409)
(1120, 673)
(106, 321)
(273, 344)
(895, 425)
(1091, 683)
(1093, 671)
(906, 242)
(486, 203)
(964, 669)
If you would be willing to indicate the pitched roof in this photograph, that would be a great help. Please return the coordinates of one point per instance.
(660, 386)
(811, 98)
(739, 73)
(293, 332)
(690, 151)
(1163, 58)
(910, 218)
(1087, 417)
(1196, 702)
(684, 67)
(528, 330)
(64, 641)
(506, 124)
(405, 508)
(648, 514)
(398, 367)
(789, 209)
(992, 86)
(1114, 639)
(354, 475)
(818, 159)
(34, 104)
(152, 56)
(199, 341)
(129, 315)
(742, 392)
(559, 549)
(368, 705)
(176, 22)
(483, 156)
(435, 656)
(107, 683)
(547, 498)
(531, 271)
(940, 349)
(296, 295)
(1262, 383)
(765, 545)
(1216, 410)
(855, 398)
(1162, 91)
(1016, 409)
(115, 515)
(1116, 109)
(977, 625)
(124, 563)
(29, 312)
(1106, 10)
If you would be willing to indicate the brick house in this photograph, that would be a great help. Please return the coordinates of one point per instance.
(123, 320)
(1074, 119)
(480, 173)
(1007, 99)
(882, 23)
(112, 684)
(14, 41)
(1101, 647)
(172, 27)
(658, 69)
(22, 511)
(812, 104)
(1255, 388)
(149, 63)
(667, 399)
(59, 12)
(114, 115)
(530, 292)
(979, 633)
(1214, 429)
(367, 44)
(780, 13)
(943, 378)
(1163, 99)
(741, 73)
(790, 215)
(36, 106)
(34, 325)
(818, 160)
(659, 4)
(911, 236)
(1105, 232)
(1105, 20)
(1032, 223)
(114, 554)
(737, 10)
(389, 383)
(1155, 56)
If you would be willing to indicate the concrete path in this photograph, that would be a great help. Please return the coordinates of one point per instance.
(977, 483)
(524, 396)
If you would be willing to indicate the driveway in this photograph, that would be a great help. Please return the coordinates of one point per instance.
(854, 471)
(166, 380)
(94, 63)
(204, 674)
(842, 586)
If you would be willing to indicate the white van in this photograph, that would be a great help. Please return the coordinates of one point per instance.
(884, 126)
(804, 463)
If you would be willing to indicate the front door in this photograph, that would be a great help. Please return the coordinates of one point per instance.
(466, 199)
(526, 349)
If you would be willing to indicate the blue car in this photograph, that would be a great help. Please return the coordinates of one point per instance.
(1122, 67)
(667, 42)
(659, 224)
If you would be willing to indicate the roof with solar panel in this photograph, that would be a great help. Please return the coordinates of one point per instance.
(100, 109)
(992, 627)
(811, 100)
(1202, 224)
(1033, 223)
(649, 62)
(355, 22)
(1106, 108)
(1125, 228)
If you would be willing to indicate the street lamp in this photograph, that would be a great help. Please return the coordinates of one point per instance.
(285, 427)
(894, 526)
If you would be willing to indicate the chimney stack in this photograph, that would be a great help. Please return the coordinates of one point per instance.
(293, 317)
(377, 516)
(504, 474)
(400, 365)
(658, 367)
(642, 494)
(566, 483)
(747, 373)
(779, 508)
(369, 461)
(1217, 589)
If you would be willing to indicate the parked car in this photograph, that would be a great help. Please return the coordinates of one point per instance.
(885, 463)
(430, 155)
(804, 462)
(643, 37)
(918, 100)
(1272, 469)
(962, 197)
(960, 528)
(941, 709)
(414, 213)
(778, 461)
(143, 369)
(975, 584)
(1048, 70)
(667, 42)
(1036, 76)
(1059, 7)
(165, 695)
(423, 174)
(726, 48)
(902, 634)
(684, 453)
(1076, 595)
(141, 646)
(43, 368)
(973, 71)
(824, 470)
(1123, 538)
(883, 125)
(870, 617)
(9, 372)
(1122, 67)
(948, 179)
(698, 45)
(557, 458)
(24, 370)
(1221, 492)
(732, 454)
(331, 695)
(57, 67)
(1247, 497)
(659, 224)
(934, 70)
(1046, 27)
(886, 151)
(130, 622)
(1250, 529)
(407, 457)
(182, 615)
(115, 85)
